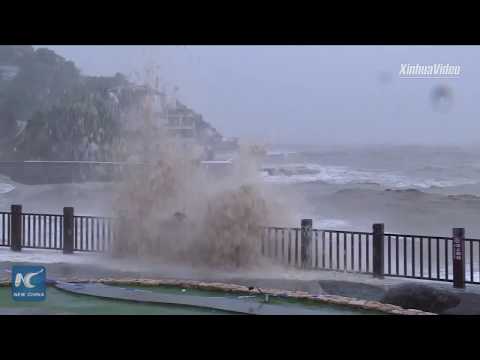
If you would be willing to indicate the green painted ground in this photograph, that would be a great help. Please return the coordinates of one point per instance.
(61, 302)
(324, 309)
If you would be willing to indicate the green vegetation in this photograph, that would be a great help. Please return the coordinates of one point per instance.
(50, 111)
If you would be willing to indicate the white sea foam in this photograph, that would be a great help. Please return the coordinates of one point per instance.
(331, 224)
(321, 222)
(281, 153)
(341, 175)
(6, 188)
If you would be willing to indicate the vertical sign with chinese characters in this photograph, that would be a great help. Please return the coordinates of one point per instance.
(459, 257)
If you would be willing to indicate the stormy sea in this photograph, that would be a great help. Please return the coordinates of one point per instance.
(422, 190)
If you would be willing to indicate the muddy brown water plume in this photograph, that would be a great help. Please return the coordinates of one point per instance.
(173, 209)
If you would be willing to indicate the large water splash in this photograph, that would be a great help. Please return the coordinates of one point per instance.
(172, 209)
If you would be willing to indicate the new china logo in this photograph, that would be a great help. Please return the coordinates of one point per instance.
(28, 283)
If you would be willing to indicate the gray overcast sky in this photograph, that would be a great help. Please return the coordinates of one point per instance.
(308, 94)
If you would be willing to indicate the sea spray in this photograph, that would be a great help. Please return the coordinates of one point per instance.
(173, 208)
(170, 207)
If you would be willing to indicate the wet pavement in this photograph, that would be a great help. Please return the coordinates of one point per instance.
(312, 281)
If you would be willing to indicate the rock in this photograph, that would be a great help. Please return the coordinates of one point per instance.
(352, 289)
(421, 297)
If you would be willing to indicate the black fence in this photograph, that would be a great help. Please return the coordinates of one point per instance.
(42, 231)
(66, 232)
(93, 233)
(455, 259)
(4, 229)
(330, 249)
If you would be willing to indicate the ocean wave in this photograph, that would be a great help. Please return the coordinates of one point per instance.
(341, 175)
(331, 224)
(281, 153)
(6, 188)
(323, 223)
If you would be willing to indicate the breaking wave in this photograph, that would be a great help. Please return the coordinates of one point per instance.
(342, 175)
(6, 188)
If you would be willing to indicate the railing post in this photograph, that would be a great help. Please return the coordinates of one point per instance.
(459, 257)
(262, 241)
(16, 228)
(378, 250)
(119, 246)
(68, 230)
(306, 240)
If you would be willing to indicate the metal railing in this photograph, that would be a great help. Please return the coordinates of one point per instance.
(93, 233)
(454, 259)
(398, 255)
(4, 228)
(349, 251)
(42, 231)
(66, 232)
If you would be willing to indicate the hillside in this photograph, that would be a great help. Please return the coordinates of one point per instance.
(50, 111)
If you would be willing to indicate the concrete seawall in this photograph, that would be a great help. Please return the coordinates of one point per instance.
(60, 172)
(64, 172)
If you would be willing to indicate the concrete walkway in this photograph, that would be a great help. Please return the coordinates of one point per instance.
(94, 266)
